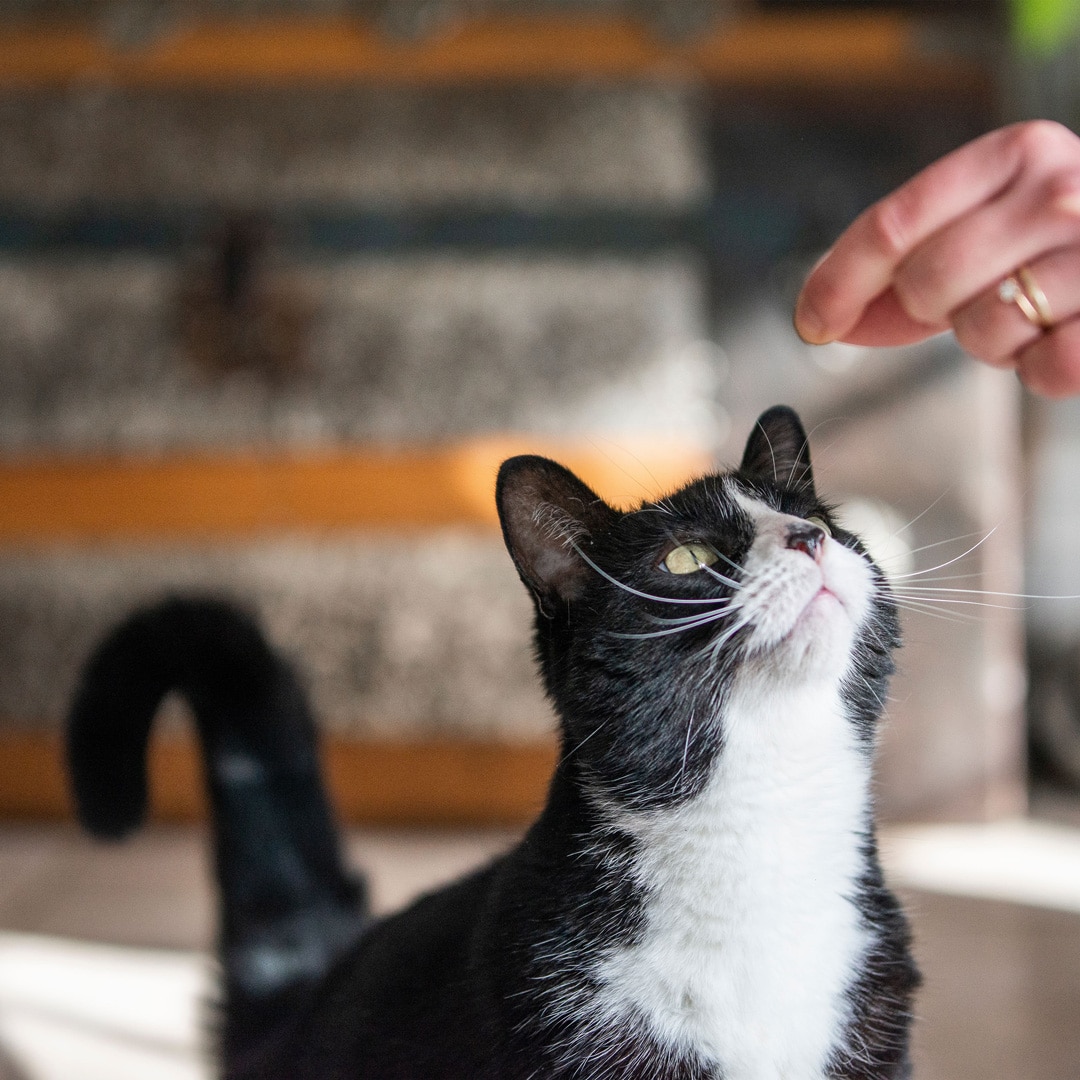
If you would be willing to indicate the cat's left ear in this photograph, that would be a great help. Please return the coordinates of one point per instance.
(546, 511)
(779, 451)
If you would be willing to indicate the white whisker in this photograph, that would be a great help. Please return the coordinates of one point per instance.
(723, 606)
(923, 513)
(637, 592)
(685, 750)
(987, 592)
(714, 647)
(873, 693)
(907, 597)
(941, 543)
(944, 577)
(719, 577)
(571, 753)
(947, 616)
(941, 566)
(689, 624)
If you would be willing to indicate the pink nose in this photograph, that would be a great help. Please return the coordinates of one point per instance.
(808, 538)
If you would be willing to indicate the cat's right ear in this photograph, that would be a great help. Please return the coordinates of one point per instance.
(546, 513)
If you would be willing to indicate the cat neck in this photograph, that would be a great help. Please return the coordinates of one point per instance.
(786, 749)
(751, 937)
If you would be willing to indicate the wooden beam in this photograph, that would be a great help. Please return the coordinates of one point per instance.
(250, 494)
(827, 49)
(371, 783)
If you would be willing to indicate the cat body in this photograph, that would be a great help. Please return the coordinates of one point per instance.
(700, 898)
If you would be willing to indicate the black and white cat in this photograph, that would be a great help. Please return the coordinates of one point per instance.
(701, 896)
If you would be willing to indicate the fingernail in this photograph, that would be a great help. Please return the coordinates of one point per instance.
(808, 323)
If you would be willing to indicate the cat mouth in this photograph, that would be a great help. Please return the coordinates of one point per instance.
(816, 618)
(820, 604)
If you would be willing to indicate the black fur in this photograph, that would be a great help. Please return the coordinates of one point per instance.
(490, 978)
(288, 908)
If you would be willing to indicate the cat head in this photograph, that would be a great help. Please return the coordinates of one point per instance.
(648, 620)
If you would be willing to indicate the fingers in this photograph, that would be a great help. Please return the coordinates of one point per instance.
(997, 330)
(1038, 212)
(864, 261)
(1051, 366)
(934, 253)
(947, 236)
(1009, 333)
(885, 322)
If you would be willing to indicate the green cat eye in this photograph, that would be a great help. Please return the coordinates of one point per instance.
(821, 523)
(688, 559)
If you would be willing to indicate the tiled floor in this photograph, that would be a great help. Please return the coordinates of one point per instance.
(1001, 1000)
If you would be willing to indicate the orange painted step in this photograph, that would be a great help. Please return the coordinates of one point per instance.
(831, 49)
(249, 494)
(371, 783)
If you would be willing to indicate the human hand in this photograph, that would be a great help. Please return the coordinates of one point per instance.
(935, 255)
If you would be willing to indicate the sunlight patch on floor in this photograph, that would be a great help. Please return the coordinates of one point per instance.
(1017, 861)
(76, 1011)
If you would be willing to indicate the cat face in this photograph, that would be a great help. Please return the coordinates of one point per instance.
(649, 620)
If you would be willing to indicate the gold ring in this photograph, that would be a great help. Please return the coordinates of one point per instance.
(1037, 297)
(1023, 290)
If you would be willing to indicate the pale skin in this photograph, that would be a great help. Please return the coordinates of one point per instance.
(931, 256)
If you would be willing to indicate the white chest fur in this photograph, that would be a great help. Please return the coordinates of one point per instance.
(752, 935)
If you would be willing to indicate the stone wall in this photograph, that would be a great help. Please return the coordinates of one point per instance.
(502, 145)
(403, 637)
(399, 638)
(396, 350)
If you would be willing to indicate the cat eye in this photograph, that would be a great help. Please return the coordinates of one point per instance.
(688, 559)
(821, 523)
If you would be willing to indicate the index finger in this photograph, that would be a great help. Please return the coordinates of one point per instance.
(861, 264)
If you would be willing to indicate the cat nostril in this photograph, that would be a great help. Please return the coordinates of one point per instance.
(807, 538)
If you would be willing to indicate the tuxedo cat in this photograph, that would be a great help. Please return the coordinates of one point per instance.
(701, 896)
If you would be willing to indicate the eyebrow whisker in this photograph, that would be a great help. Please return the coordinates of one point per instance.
(713, 601)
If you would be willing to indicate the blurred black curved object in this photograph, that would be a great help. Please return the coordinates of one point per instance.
(1054, 710)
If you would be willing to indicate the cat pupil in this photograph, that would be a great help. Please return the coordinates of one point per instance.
(688, 559)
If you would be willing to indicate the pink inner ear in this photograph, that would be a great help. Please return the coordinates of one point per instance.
(543, 546)
(563, 571)
(545, 510)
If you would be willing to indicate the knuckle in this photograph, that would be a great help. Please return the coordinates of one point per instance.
(1035, 140)
(910, 298)
(888, 224)
(1061, 193)
(917, 284)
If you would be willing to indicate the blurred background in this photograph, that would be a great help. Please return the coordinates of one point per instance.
(282, 282)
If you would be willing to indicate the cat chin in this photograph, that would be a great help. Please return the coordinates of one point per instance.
(802, 661)
(824, 625)
(817, 647)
